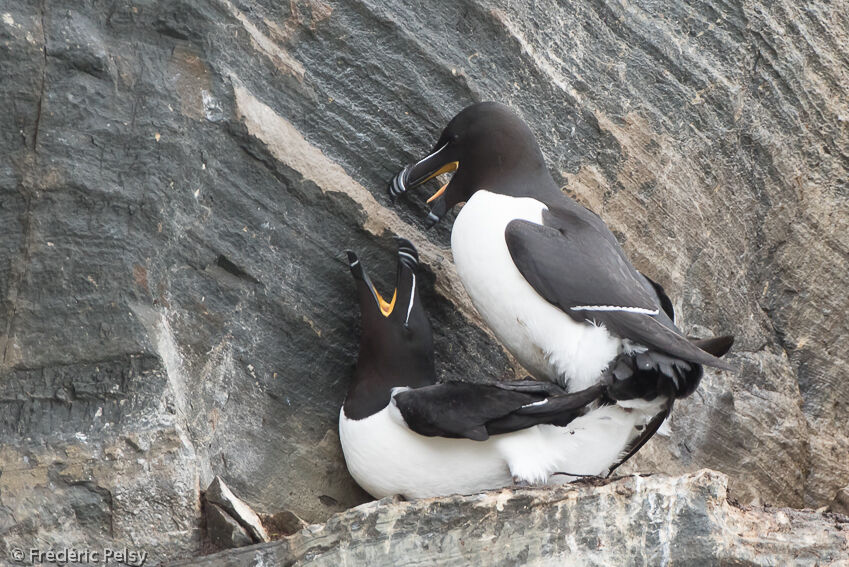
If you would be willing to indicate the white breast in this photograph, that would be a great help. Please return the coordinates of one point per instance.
(386, 458)
(543, 338)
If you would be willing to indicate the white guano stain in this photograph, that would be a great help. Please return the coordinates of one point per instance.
(165, 344)
(211, 107)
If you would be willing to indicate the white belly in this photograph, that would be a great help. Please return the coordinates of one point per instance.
(543, 338)
(386, 458)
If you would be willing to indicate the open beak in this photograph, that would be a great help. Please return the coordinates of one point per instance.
(436, 163)
(386, 307)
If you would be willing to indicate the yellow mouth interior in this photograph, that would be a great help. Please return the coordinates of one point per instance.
(447, 168)
(385, 308)
(438, 193)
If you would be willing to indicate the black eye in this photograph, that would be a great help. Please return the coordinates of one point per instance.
(455, 137)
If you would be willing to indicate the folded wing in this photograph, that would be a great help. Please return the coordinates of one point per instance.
(476, 411)
(584, 272)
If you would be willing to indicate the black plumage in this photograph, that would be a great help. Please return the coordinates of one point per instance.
(571, 259)
(396, 351)
(577, 267)
(476, 411)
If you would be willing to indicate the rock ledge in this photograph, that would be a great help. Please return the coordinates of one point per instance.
(634, 520)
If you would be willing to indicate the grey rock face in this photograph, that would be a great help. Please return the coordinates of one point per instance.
(222, 499)
(840, 504)
(659, 520)
(223, 530)
(178, 181)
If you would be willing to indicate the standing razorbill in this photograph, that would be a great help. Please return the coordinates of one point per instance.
(547, 275)
(404, 434)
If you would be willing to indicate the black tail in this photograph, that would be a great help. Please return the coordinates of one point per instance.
(717, 346)
(650, 374)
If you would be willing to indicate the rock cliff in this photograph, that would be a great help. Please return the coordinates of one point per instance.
(178, 180)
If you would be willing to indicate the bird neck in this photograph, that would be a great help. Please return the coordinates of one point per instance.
(535, 182)
(379, 370)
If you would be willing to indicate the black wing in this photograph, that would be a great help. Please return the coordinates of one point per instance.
(476, 411)
(662, 298)
(584, 272)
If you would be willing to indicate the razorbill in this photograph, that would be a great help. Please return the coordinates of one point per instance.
(402, 433)
(548, 276)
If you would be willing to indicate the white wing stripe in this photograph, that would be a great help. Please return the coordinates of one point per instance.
(615, 308)
(534, 404)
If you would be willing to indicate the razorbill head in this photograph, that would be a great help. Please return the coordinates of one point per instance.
(396, 343)
(402, 433)
(546, 274)
(486, 146)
